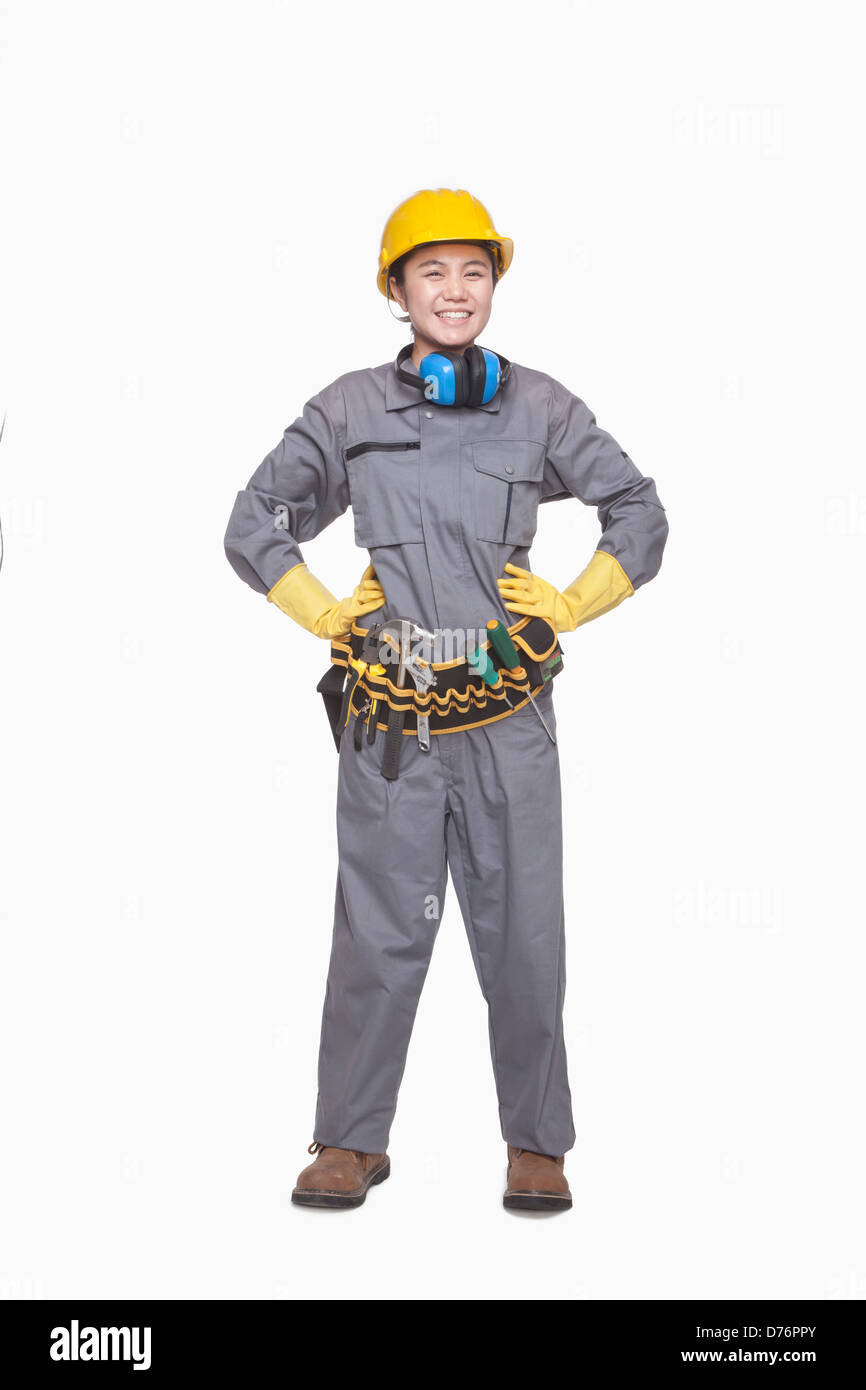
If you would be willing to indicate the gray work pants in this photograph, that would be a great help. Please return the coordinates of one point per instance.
(484, 803)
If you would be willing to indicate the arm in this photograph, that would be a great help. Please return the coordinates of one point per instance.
(586, 462)
(298, 490)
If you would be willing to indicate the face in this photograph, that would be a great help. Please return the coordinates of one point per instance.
(447, 292)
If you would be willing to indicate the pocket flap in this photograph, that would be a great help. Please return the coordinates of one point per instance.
(512, 460)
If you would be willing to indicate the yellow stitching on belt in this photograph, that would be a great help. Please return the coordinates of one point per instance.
(456, 706)
(536, 656)
(461, 728)
(409, 694)
(407, 697)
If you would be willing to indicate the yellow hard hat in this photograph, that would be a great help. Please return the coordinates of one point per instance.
(438, 214)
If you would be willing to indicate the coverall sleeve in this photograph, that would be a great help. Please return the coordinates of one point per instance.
(586, 462)
(298, 490)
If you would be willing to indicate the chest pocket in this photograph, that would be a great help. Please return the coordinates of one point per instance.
(508, 476)
(385, 487)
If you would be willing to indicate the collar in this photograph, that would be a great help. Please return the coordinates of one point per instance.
(399, 394)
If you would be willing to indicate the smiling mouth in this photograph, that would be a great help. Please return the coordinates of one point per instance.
(454, 315)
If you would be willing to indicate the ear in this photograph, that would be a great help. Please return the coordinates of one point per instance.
(397, 293)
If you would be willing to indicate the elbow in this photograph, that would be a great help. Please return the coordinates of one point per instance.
(647, 546)
(233, 546)
(660, 533)
(242, 542)
(664, 532)
(238, 558)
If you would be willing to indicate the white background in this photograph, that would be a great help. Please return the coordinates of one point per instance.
(193, 196)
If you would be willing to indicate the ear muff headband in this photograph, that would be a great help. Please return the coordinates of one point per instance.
(476, 370)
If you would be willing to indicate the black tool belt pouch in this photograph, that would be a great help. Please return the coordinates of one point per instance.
(460, 698)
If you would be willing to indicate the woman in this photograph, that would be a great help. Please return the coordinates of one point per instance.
(447, 753)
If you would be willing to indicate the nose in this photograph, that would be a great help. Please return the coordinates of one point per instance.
(454, 287)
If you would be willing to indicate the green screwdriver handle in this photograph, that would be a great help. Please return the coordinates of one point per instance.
(483, 666)
(500, 637)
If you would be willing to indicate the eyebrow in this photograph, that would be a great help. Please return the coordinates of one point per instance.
(433, 261)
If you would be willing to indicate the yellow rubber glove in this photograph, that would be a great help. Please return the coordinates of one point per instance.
(597, 589)
(300, 594)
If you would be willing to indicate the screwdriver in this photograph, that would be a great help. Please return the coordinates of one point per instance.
(377, 671)
(502, 644)
(481, 664)
(356, 671)
(483, 667)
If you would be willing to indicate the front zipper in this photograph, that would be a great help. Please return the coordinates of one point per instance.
(369, 446)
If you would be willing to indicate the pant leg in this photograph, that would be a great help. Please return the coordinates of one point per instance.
(504, 838)
(391, 885)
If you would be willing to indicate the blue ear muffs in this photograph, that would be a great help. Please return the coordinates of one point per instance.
(445, 378)
(478, 369)
(454, 378)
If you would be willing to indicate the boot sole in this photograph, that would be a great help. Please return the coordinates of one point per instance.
(310, 1197)
(536, 1201)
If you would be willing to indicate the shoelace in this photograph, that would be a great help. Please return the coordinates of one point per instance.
(316, 1148)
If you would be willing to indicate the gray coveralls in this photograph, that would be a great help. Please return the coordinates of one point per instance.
(440, 521)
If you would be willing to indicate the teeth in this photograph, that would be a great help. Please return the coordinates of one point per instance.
(461, 314)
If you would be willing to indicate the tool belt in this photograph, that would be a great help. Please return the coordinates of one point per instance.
(460, 699)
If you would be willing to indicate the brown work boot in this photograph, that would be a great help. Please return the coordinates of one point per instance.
(339, 1177)
(536, 1182)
